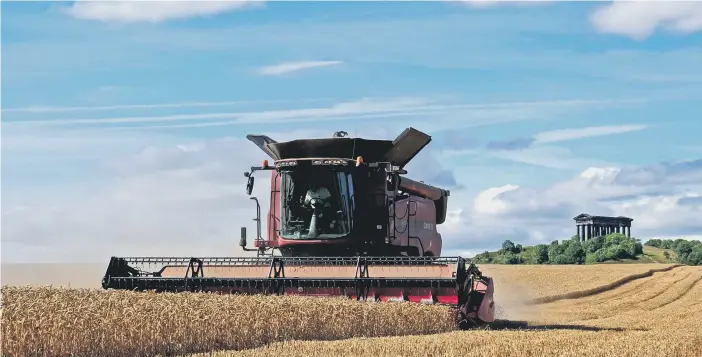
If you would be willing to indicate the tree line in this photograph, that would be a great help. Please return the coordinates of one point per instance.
(687, 251)
(615, 246)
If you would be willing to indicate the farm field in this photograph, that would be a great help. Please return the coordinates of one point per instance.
(657, 315)
(524, 282)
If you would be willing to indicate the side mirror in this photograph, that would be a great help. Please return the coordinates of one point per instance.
(242, 241)
(250, 185)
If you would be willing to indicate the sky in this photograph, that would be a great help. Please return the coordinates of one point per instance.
(124, 123)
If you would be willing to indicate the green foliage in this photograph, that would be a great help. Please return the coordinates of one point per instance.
(688, 251)
(555, 250)
(540, 254)
(510, 258)
(575, 253)
(654, 243)
(614, 246)
(508, 246)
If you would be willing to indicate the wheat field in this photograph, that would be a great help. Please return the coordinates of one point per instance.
(657, 315)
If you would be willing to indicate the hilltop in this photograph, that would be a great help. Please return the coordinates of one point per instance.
(612, 248)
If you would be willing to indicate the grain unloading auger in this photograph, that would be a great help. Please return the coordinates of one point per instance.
(345, 223)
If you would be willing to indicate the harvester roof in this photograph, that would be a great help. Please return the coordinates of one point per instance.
(371, 150)
(399, 151)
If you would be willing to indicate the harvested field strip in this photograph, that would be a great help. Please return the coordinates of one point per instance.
(521, 283)
(623, 329)
(634, 288)
(62, 322)
(663, 288)
(637, 302)
(636, 292)
(687, 289)
(600, 289)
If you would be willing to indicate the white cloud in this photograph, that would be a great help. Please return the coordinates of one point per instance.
(59, 109)
(161, 200)
(640, 19)
(170, 198)
(152, 11)
(486, 202)
(553, 136)
(552, 157)
(663, 199)
(351, 110)
(359, 107)
(187, 198)
(289, 67)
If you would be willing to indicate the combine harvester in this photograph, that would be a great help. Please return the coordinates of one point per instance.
(345, 223)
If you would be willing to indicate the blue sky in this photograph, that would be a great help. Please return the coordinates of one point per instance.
(124, 123)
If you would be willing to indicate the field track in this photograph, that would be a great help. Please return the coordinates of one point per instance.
(602, 288)
(640, 313)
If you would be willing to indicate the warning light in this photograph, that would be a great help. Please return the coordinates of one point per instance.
(265, 163)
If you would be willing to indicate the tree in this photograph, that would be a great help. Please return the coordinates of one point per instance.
(666, 255)
(518, 249)
(594, 244)
(683, 248)
(541, 253)
(559, 259)
(654, 243)
(694, 258)
(575, 253)
(508, 246)
(554, 251)
(511, 258)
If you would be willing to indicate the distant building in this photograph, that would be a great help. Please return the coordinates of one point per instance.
(595, 226)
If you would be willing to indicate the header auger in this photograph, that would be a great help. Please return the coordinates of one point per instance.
(344, 222)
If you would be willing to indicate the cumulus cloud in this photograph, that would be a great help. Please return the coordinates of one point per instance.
(182, 199)
(152, 11)
(640, 19)
(162, 200)
(187, 198)
(289, 67)
(664, 200)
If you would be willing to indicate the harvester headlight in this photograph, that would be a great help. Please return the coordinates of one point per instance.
(286, 163)
(329, 162)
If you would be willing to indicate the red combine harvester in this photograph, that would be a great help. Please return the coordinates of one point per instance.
(345, 223)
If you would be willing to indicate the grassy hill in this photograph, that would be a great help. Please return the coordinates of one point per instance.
(610, 249)
(649, 255)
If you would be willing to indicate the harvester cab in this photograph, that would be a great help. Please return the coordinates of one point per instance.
(346, 197)
(343, 220)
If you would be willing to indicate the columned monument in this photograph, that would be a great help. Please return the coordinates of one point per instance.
(594, 226)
